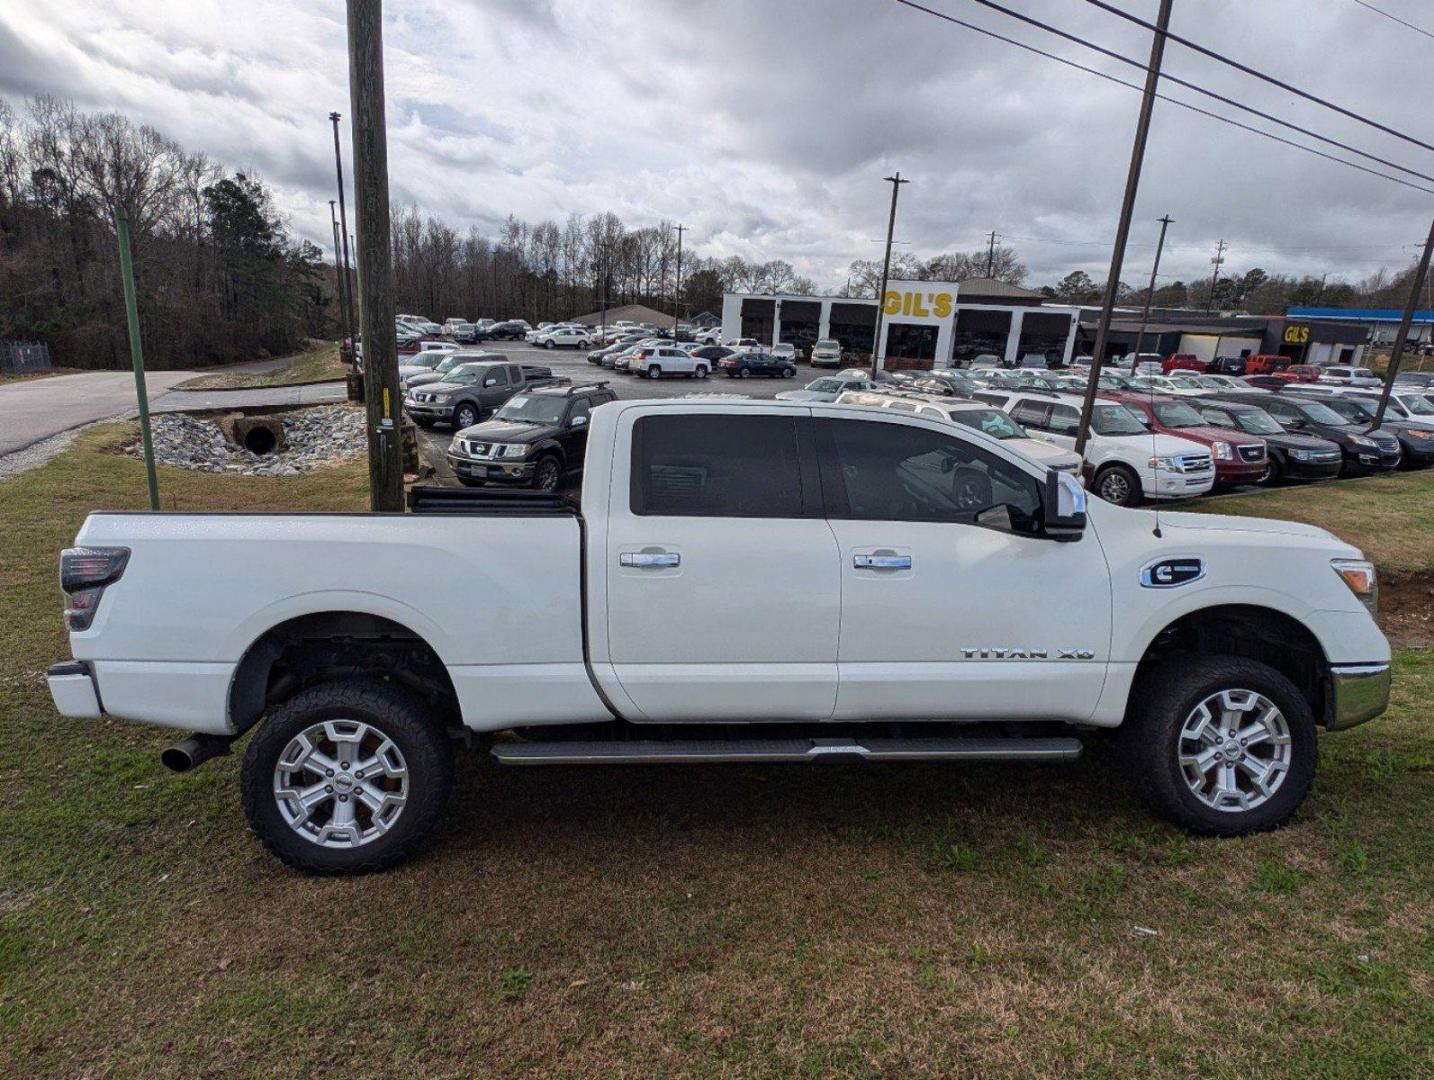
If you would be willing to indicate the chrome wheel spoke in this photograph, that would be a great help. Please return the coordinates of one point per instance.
(1216, 750)
(320, 793)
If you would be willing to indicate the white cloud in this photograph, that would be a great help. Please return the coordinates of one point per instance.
(767, 127)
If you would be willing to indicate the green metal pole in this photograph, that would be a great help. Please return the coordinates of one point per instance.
(137, 355)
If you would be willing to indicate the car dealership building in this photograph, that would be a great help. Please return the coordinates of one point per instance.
(926, 323)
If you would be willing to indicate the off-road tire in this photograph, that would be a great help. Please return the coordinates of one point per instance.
(1149, 740)
(426, 750)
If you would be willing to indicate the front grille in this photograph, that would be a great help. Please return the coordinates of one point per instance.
(1254, 452)
(1195, 463)
(477, 449)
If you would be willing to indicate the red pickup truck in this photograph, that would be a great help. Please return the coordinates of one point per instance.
(1239, 458)
(1182, 361)
(1270, 364)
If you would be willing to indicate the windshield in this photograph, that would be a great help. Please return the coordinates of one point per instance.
(992, 421)
(1177, 414)
(826, 386)
(1257, 422)
(1111, 419)
(533, 409)
(1185, 382)
(1321, 413)
(1351, 412)
(827, 343)
(1417, 405)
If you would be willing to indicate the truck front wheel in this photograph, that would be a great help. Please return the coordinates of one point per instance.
(346, 778)
(1222, 745)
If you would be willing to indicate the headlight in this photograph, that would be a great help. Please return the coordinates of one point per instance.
(1166, 462)
(515, 450)
(1301, 455)
(1222, 450)
(1360, 577)
(1362, 440)
(441, 397)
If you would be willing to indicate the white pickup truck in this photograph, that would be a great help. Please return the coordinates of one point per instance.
(747, 581)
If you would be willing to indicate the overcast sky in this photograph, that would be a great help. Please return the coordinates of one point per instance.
(766, 126)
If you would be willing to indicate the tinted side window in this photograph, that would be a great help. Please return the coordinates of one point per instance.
(891, 472)
(716, 465)
(1065, 420)
(495, 375)
(580, 408)
(515, 373)
(1218, 417)
(1032, 413)
(1281, 411)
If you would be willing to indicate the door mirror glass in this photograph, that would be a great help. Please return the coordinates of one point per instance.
(578, 421)
(1064, 506)
(490, 382)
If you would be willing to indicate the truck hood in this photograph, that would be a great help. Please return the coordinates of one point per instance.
(1233, 523)
(506, 431)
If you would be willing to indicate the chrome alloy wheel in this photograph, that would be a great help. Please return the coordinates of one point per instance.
(1235, 750)
(341, 783)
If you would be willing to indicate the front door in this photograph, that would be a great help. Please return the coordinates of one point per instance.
(723, 586)
(953, 605)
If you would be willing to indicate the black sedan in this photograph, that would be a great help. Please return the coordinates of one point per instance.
(1290, 455)
(744, 365)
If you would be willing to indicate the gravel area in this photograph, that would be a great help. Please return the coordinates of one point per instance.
(316, 438)
(36, 454)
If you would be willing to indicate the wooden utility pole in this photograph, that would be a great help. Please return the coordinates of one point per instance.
(1403, 334)
(876, 349)
(991, 255)
(1122, 229)
(1150, 292)
(375, 267)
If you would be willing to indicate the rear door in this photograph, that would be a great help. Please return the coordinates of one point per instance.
(953, 605)
(722, 578)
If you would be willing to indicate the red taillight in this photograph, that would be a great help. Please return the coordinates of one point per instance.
(84, 573)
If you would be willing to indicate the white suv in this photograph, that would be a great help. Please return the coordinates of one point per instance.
(1124, 460)
(972, 414)
(655, 361)
(826, 353)
(576, 337)
(1350, 376)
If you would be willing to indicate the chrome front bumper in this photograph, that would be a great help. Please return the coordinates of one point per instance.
(1358, 692)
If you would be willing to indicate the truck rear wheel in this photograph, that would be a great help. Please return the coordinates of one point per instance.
(346, 778)
(1222, 745)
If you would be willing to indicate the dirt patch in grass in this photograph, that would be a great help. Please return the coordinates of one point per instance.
(31, 376)
(318, 364)
(1406, 609)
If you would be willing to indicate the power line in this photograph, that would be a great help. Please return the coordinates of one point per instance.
(1221, 58)
(1130, 61)
(1395, 18)
(1163, 97)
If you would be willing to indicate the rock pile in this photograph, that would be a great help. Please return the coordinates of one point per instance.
(316, 438)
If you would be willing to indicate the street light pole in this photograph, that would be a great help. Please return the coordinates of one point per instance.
(1150, 292)
(877, 352)
(677, 289)
(344, 223)
(1127, 208)
(1403, 335)
(341, 279)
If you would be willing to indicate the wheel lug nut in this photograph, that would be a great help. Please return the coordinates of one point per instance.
(343, 764)
(329, 788)
(343, 798)
(328, 772)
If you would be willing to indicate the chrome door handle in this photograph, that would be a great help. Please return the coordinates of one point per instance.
(881, 562)
(649, 558)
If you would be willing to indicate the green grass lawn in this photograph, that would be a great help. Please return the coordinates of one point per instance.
(318, 364)
(897, 921)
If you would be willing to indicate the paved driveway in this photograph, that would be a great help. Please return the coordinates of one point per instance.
(35, 409)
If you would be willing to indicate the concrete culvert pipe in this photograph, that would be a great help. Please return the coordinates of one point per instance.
(260, 440)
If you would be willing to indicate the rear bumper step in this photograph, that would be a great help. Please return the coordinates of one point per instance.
(764, 751)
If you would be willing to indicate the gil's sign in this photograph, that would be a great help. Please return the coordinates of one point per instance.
(919, 301)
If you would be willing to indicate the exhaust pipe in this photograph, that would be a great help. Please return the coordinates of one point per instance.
(195, 750)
